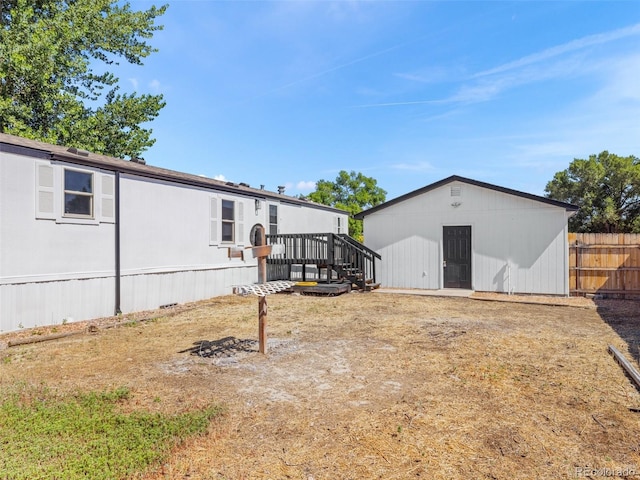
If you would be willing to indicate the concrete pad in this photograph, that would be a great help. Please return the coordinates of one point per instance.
(445, 292)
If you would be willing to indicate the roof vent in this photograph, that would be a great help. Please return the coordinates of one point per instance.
(456, 190)
(77, 151)
(242, 184)
(139, 160)
(281, 189)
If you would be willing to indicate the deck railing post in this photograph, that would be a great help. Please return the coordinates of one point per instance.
(373, 268)
(330, 249)
(305, 250)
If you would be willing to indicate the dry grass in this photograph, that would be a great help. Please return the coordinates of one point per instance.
(372, 386)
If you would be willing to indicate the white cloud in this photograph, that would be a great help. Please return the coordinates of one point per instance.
(414, 166)
(558, 50)
(287, 186)
(412, 77)
(605, 120)
(155, 85)
(396, 104)
(220, 177)
(561, 61)
(345, 10)
(431, 74)
(368, 92)
(622, 76)
(305, 186)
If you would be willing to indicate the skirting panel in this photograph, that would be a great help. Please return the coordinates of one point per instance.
(149, 291)
(30, 305)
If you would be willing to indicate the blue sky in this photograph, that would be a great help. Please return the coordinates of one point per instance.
(407, 92)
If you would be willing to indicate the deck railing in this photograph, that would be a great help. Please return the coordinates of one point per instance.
(339, 254)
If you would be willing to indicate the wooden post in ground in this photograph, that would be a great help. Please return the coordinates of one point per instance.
(263, 288)
(262, 324)
(262, 302)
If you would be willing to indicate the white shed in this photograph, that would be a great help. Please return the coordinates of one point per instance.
(462, 233)
(85, 236)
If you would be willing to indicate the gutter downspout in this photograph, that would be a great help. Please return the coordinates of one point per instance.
(118, 311)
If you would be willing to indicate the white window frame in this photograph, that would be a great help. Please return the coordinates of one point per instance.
(269, 222)
(90, 195)
(226, 221)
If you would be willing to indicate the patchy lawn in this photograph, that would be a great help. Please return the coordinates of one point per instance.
(368, 385)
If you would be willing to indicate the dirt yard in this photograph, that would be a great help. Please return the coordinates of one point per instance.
(365, 386)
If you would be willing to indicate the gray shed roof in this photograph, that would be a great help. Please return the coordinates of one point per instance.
(33, 148)
(456, 178)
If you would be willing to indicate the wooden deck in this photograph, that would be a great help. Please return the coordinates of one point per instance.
(322, 257)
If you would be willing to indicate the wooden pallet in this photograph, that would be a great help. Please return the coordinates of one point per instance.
(328, 289)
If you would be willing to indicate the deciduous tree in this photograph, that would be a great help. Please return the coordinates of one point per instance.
(606, 187)
(51, 88)
(352, 192)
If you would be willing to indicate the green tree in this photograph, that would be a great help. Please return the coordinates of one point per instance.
(606, 187)
(352, 192)
(50, 89)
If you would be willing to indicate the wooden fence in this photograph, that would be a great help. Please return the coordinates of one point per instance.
(604, 263)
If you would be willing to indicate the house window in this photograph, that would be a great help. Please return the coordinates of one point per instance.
(78, 194)
(273, 219)
(228, 221)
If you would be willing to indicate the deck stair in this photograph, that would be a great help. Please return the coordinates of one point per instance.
(326, 257)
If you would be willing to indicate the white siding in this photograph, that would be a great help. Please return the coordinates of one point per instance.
(55, 269)
(165, 227)
(45, 263)
(300, 219)
(166, 251)
(518, 245)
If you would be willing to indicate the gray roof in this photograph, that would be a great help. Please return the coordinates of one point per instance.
(456, 178)
(33, 148)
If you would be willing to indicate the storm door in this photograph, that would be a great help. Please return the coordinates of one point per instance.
(457, 257)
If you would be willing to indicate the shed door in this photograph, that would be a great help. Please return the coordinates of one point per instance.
(457, 257)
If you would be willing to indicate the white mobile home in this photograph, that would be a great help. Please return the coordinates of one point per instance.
(84, 235)
(462, 233)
